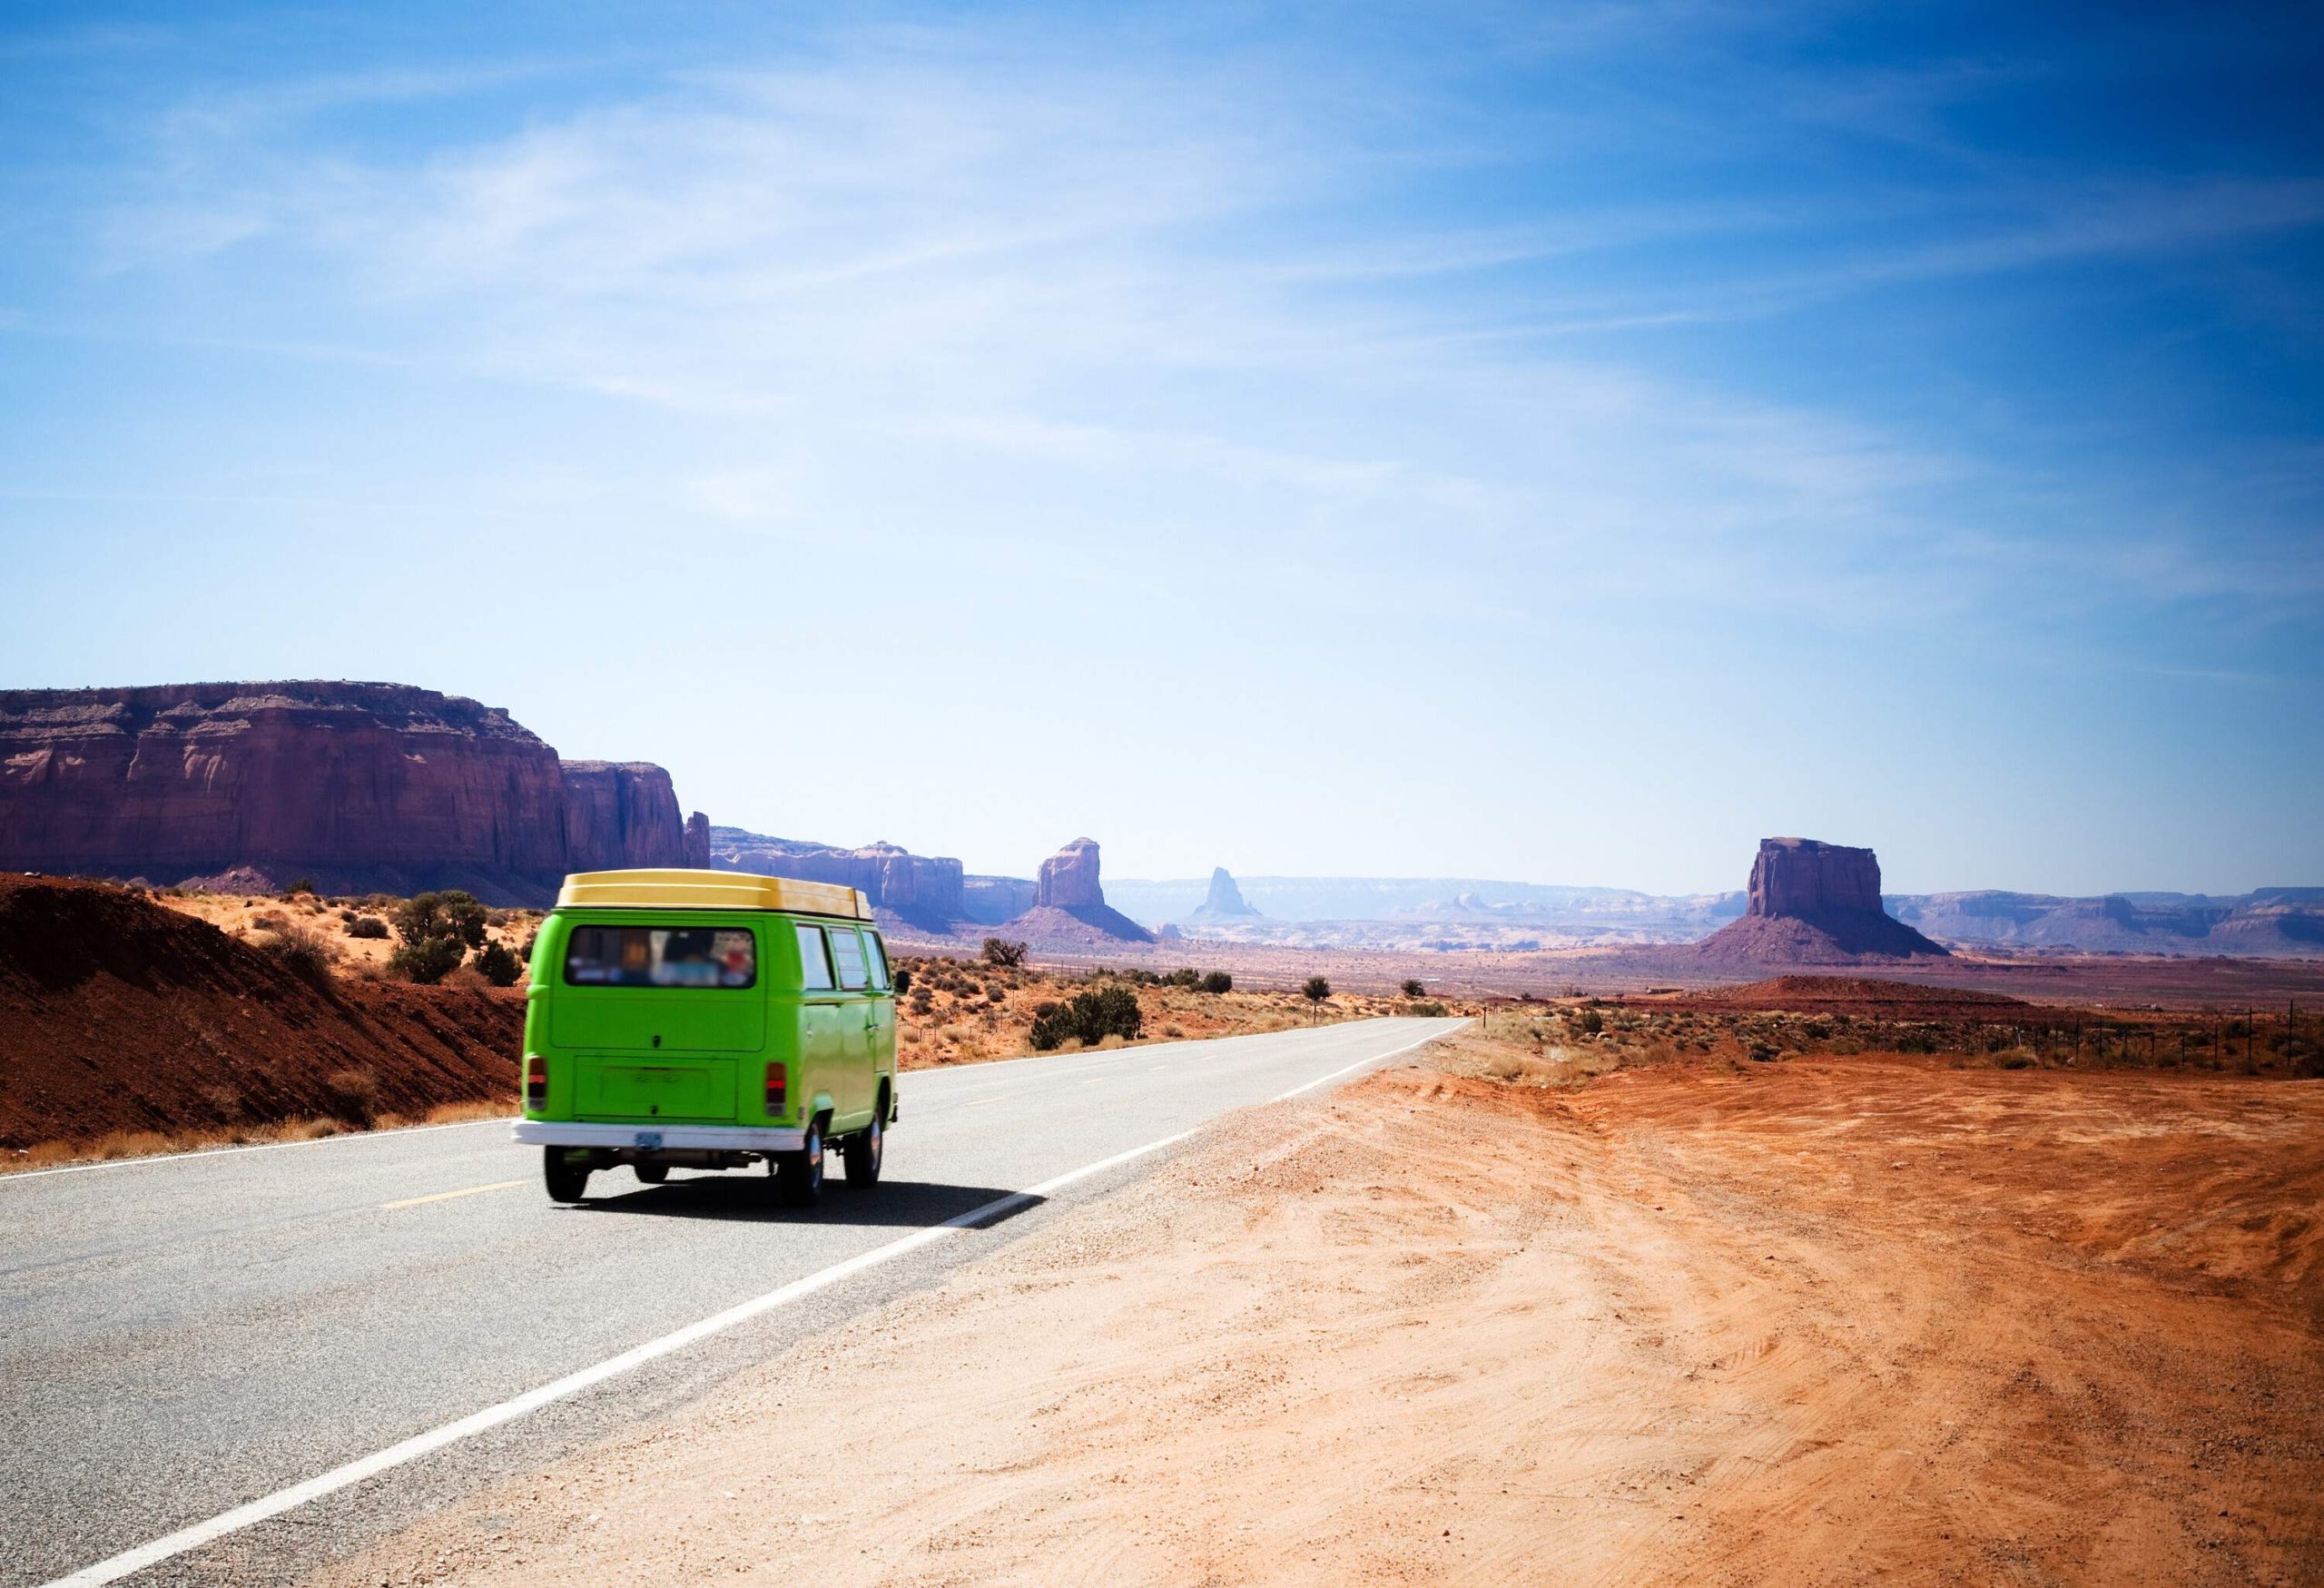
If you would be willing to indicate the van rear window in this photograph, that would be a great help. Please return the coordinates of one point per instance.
(656, 956)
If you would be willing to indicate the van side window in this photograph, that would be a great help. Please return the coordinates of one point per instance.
(876, 954)
(815, 963)
(848, 949)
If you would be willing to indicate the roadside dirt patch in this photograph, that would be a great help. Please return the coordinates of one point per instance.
(126, 1025)
(1831, 1321)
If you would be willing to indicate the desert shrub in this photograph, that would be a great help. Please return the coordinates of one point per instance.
(438, 930)
(1413, 989)
(998, 951)
(1186, 977)
(1314, 990)
(1914, 1042)
(1426, 1007)
(452, 914)
(298, 885)
(1218, 982)
(301, 950)
(2014, 1059)
(995, 993)
(498, 965)
(366, 926)
(1089, 1018)
(1816, 1028)
(353, 1094)
(1590, 1022)
(428, 960)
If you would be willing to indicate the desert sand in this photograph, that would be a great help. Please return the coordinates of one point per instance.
(1832, 1319)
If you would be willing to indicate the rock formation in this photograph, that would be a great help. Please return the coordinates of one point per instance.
(697, 845)
(1069, 906)
(357, 786)
(1068, 879)
(925, 889)
(993, 900)
(1814, 903)
(618, 814)
(1226, 900)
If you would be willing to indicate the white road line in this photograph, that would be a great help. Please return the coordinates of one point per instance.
(345, 1136)
(572, 1384)
(1375, 1058)
(355, 1471)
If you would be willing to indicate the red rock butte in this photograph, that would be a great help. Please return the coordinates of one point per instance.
(1814, 903)
(355, 786)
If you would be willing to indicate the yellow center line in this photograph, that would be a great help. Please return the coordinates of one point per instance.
(447, 1196)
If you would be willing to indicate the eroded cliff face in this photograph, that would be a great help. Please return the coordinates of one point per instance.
(1804, 877)
(621, 814)
(1814, 903)
(1068, 879)
(927, 889)
(358, 787)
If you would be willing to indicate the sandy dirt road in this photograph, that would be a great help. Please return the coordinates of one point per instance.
(1827, 1321)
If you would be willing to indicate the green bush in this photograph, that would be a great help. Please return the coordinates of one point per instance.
(1089, 1017)
(1218, 982)
(428, 960)
(451, 915)
(498, 965)
(1188, 977)
(1413, 989)
(366, 926)
(1001, 952)
(1591, 1022)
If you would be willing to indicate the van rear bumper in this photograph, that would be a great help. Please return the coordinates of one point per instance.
(685, 1137)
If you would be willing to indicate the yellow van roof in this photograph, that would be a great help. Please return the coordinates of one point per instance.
(673, 889)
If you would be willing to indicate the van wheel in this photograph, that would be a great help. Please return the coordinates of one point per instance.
(798, 1176)
(864, 1150)
(566, 1180)
(653, 1174)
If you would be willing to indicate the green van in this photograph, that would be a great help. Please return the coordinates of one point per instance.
(708, 1019)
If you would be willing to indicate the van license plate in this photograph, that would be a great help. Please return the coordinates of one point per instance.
(649, 1142)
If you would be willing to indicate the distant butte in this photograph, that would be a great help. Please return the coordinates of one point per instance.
(1814, 903)
(1226, 901)
(1070, 906)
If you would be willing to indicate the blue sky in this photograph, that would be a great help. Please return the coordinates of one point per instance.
(1562, 443)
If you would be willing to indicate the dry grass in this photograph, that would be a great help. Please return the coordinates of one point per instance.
(957, 1012)
(120, 1144)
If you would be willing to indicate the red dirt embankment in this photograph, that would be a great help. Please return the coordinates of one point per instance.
(118, 1015)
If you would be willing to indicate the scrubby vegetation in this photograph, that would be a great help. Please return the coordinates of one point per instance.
(1577, 1038)
(437, 931)
(1089, 1018)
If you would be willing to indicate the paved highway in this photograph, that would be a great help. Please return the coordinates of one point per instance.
(181, 1338)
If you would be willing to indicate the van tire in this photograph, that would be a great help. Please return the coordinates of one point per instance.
(798, 1176)
(567, 1181)
(653, 1174)
(864, 1150)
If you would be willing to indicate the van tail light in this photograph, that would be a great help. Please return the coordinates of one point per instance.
(778, 1091)
(536, 1081)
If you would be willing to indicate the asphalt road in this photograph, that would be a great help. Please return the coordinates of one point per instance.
(180, 1337)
